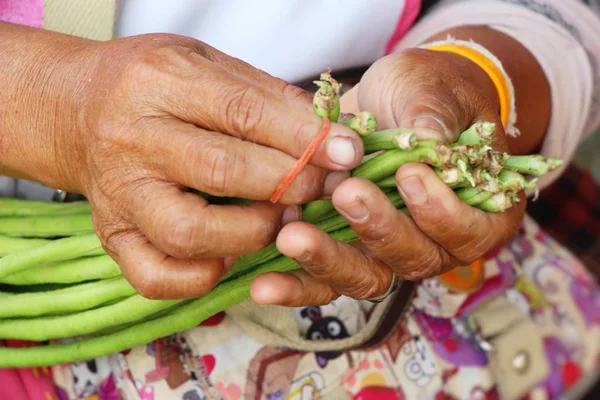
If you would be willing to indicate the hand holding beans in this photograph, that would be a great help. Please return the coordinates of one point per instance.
(439, 96)
(137, 121)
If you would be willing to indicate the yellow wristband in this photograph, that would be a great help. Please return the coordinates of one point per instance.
(496, 74)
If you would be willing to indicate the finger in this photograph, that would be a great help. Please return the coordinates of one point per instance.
(226, 166)
(214, 99)
(332, 181)
(291, 94)
(464, 231)
(291, 214)
(184, 225)
(156, 275)
(337, 264)
(390, 236)
(291, 289)
(349, 101)
(436, 101)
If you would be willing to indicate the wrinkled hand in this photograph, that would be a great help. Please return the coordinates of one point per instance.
(163, 113)
(439, 95)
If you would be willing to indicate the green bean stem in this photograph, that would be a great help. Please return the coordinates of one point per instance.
(326, 102)
(473, 196)
(499, 202)
(44, 328)
(47, 226)
(535, 165)
(247, 261)
(364, 123)
(69, 271)
(389, 182)
(179, 320)
(10, 207)
(315, 209)
(514, 181)
(57, 250)
(80, 297)
(223, 296)
(388, 139)
(481, 132)
(11, 244)
(386, 164)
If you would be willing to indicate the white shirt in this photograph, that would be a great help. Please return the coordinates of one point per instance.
(290, 39)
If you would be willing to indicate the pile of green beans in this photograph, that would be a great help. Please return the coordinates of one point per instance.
(56, 281)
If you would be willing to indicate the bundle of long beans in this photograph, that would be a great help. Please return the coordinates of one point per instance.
(56, 282)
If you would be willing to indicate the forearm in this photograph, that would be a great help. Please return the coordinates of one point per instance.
(530, 84)
(42, 77)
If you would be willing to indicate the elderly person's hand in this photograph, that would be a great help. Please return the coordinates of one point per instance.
(439, 95)
(133, 123)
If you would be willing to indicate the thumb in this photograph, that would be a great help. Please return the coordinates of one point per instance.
(420, 89)
(349, 101)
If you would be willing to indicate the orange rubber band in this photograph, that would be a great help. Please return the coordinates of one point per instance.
(302, 161)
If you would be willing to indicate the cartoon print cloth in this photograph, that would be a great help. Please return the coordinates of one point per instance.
(439, 351)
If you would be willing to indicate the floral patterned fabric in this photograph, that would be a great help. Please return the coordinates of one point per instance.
(432, 354)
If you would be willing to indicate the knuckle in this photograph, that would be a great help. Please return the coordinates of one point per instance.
(433, 216)
(306, 187)
(260, 236)
(380, 235)
(471, 250)
(181, 237)
(367, 285)
(369, 288)
(220, 165)
(259, 231)
(323, 297)
(293, 92)
(433, 264)
(267, 233)
(243, 109)
(302, 131)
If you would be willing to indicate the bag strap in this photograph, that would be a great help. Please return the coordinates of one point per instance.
(276, 326)
(398, 309)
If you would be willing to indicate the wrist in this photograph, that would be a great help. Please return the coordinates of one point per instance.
(531, 87)
(43, 78)
(474, 74)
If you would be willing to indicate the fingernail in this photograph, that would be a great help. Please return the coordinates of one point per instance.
(341, 151)
(412, 190)
(357, 211)
(332, 181)
(291, 214)
(430, 126)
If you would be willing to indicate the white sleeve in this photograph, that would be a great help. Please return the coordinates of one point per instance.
(563, 35)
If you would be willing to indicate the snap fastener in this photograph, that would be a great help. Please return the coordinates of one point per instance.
(520, 362)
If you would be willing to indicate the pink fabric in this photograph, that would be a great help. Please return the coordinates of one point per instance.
(26, 383)
(407, 18)
(11, 386)
(23, 12)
